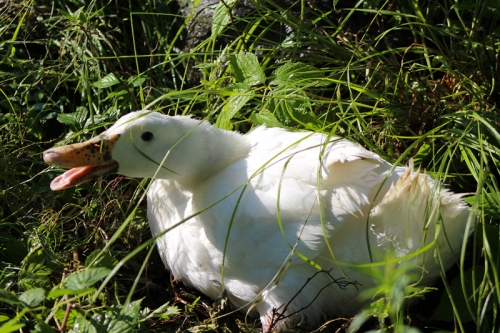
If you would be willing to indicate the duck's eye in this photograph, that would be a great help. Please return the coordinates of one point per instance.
(147, 136)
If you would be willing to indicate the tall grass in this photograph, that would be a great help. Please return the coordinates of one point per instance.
(403, 78)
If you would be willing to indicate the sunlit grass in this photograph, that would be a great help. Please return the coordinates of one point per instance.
(414, 80)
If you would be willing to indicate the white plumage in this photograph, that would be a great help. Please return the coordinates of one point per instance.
(264, 210)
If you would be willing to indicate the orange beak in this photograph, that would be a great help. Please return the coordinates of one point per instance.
(88, 160)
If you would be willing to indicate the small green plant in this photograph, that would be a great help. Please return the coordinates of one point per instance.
(69, 304)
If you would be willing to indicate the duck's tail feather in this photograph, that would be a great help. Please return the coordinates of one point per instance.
(417, 216)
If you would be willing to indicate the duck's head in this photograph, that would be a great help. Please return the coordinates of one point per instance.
(142, 144)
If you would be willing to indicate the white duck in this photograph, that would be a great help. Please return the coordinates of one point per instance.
(264, 210)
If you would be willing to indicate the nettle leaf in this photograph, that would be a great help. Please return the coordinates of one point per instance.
(221, 17)
(165, 311)
(242, 94)
(107, 81)
(83, 279)
(171, 311)
(116, 319)
(299, 75)
(66, 119)
(82, 325)
(293, 106)
(265, 117)
(32, 297)
(74, 119)
(113, 320)
(35, 271)
(125, 320)
(246, 68)
(70, 316)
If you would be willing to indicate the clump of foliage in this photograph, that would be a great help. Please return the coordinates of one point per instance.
(415, 78)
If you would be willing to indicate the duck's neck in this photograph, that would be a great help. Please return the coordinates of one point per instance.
(203, 152)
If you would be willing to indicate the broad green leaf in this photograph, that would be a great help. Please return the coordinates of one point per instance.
(83, 279)
(121, 324)
(61, 314)
(125, 320)
(74, 119)
(299, 75)
(293, 106)
(35, 271)
(67, 119)
(422, 153)
(110, 321)
(221, 17)
(56, 293)
(82, 325)
(11, 326)
(171, 311)
(242, 94)
(107, 81)
(32, 297)
(113, 320)
(265, 117)
(246, 68)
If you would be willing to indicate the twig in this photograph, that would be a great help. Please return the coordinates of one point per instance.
(279, 315)
(66, 315)
(319, 329)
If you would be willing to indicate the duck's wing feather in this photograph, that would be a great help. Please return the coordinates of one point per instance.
(294, 190)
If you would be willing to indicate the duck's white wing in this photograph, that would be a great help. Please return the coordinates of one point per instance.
(183, 248)
(293, 189)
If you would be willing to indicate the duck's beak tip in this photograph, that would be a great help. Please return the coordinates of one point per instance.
(49, 156)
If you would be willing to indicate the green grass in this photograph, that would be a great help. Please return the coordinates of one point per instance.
(405, 79)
